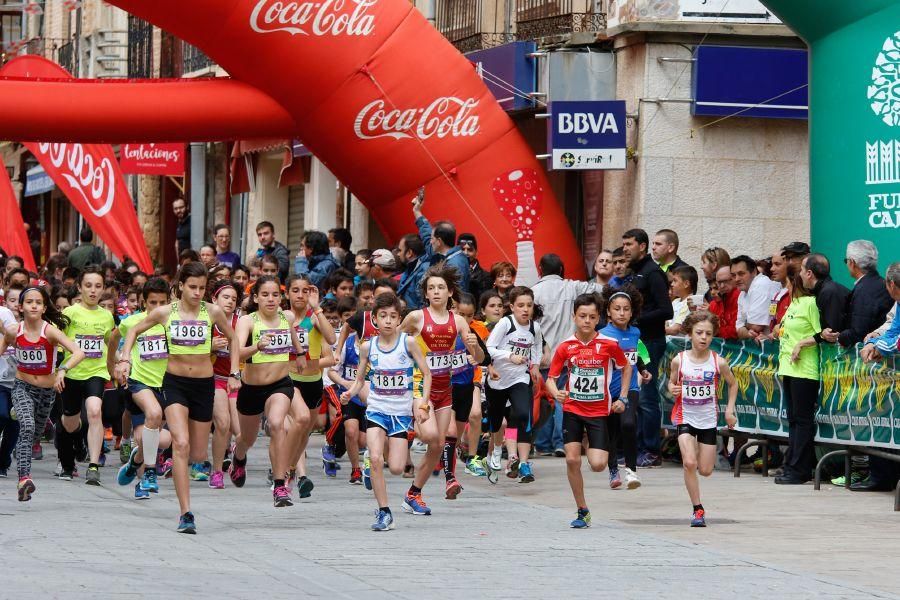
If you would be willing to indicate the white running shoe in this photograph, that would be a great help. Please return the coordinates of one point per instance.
(419, 447)
(631, 479)
(496, 459)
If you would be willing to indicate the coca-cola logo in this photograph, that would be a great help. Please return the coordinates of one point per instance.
(95, 183)
(327, 17)
(446, 116)
(151, 152)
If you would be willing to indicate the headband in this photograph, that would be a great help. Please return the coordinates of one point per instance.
(216, 293)
(617, 294)
(31, 288)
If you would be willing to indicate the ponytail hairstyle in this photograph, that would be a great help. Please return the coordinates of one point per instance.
(51, 314)
(189, 269)
(220, 285)
(252, 305)
(521, 290)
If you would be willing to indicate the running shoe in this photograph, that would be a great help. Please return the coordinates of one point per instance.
(226, 462)
(367, 470)
(615, 482)
(186, 523)
(128, 471)
(329, 463)
(167, 467)
(125, 451)
(81, 449)
(474, 467)
(632, 481)
(495, 460)
(526, 475)
(238, 474)
(582, 519)
(493, 474)
(512, 467)
(4, 473)
(409, 472)
(92, 477)
(453, 489)
(148, 481)
(118, 443)
(107, 434)
(305, 486)
(699, 518)
(356, 476)
(197, 472)
(281, 497)
(65, 475)
(648, 460)
(140, 493)
(102, 460)
(270, 479)
(419, 447)
(384, 521)
(37, 452)
(855, 477)
(413, 504)
(217, 481)
(26, 488)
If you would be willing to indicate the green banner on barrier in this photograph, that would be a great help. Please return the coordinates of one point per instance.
(859, 403)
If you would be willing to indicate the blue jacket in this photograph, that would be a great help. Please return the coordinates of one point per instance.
(409, 289)
(318, 268)
(887, 344)
(454, 257)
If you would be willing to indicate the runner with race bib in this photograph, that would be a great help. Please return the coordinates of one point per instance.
(89, 327)
(37, 378)
(228, 296)
(437, 328)
(392, 411)
(590, 360)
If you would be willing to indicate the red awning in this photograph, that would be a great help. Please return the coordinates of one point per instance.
(245, 160)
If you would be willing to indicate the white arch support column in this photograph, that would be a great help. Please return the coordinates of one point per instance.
(320, 199)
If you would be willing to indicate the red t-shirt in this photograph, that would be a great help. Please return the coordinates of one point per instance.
(727, 313)
(590, 367)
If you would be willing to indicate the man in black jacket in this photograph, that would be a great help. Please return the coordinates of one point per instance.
(653, 285)
(831, 297)
(479, 279)
(869, 300)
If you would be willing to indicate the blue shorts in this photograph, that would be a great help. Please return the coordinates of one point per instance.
(137, 415)
(395, 426)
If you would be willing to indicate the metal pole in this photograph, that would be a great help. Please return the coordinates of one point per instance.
(77, 48)
(198, 195)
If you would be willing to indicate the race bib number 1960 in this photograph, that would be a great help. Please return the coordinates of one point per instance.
(32, 357)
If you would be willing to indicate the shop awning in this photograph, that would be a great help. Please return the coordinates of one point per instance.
(245, 160)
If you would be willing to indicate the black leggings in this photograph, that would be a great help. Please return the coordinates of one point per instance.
(520, 399)
(623, 432)
(802, 397)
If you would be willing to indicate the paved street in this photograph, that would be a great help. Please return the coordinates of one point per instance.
(508, 541)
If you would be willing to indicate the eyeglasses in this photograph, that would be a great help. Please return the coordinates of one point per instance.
(467, 243)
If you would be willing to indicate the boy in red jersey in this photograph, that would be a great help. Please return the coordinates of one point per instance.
(590, 359)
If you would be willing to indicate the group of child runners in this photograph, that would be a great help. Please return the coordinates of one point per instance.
(208, 359)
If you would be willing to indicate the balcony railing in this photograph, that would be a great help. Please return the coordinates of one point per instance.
(140, 48)
(543, 18)
(65, 56)
(474, 24)
(193, 59)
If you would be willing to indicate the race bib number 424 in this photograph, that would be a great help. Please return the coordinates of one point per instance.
(587, 385)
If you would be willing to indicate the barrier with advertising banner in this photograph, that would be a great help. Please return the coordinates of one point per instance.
(859, 403)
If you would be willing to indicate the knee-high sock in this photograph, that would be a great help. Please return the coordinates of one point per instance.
(150, 446)
(449, 457)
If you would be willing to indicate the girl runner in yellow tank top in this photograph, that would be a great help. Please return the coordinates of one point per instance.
(188, 387)
(267, 340)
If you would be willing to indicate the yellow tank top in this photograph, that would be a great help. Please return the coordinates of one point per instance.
(189, 336)
(281, 347)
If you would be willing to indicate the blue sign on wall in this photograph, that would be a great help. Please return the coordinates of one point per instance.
(508, 72)
(37, 182)
(732, 79)
(587, 135)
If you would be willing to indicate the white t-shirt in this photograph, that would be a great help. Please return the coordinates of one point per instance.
(509, 338)
(753, 305)
(8, 360)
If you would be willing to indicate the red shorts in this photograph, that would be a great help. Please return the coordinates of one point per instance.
(221, 383)
(441, 394)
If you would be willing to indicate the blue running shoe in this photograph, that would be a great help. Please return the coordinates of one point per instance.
(367, 471)
(186, 523)
(197, 472)
(384, 521)
(615, 481)
(413, 504)
(329, 462)
(128, 471)
(699, 518)
(582, 519)
(140, 493)
(526, 475)
(148, 481)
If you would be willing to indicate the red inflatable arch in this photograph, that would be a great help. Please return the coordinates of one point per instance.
(372, 89)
